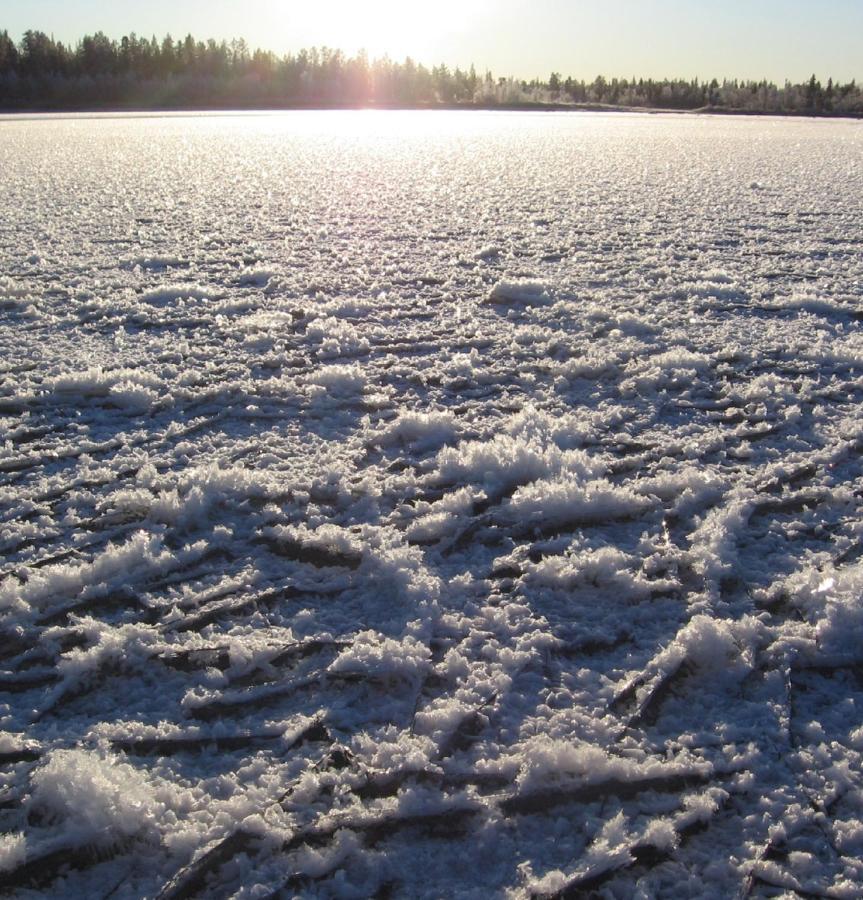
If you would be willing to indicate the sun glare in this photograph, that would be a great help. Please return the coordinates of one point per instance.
(394, 28)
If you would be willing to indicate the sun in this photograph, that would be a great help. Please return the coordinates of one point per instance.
(391, 28)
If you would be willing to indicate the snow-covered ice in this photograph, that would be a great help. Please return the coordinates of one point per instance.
(431, 505)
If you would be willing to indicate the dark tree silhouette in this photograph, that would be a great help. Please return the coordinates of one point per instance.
(135, 72)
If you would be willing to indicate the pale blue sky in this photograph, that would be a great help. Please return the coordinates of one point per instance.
(760, 38)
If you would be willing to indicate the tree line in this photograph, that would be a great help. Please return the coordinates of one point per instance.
(137, 72)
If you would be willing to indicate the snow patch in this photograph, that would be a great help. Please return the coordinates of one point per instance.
(168, 294)
(376, 656)
(95, 798)
(419, 431)
(337, 381)
(526, 291)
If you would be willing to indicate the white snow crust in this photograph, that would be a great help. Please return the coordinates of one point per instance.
(431, 505)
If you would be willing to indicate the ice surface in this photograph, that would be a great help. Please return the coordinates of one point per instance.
(379, 490)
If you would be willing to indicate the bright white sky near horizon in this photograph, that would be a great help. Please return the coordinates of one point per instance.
(773, 39)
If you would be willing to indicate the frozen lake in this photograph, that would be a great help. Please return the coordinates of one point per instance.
(428, 504)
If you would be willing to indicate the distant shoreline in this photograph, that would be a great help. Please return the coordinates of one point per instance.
(99, 73)
(116, 109)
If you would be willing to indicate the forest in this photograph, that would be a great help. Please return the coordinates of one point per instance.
(40, 73)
